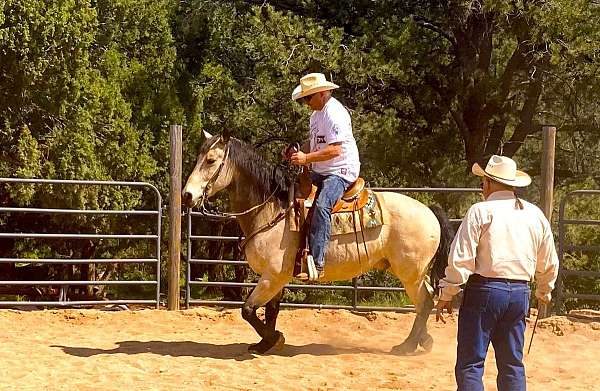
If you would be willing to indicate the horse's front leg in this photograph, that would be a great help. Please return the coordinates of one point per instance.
(269, 291)
(271, 312)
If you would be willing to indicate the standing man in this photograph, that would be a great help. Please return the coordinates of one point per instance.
(333, 156)
(502, 243)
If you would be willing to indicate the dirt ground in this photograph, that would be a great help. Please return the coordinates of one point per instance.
(206, 349)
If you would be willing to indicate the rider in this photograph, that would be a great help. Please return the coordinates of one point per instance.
(332, 153)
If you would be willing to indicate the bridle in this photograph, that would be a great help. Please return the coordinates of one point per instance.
(280, 216)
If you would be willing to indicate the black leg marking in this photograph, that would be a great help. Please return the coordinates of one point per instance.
(271, 337)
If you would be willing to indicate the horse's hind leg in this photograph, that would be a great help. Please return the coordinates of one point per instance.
(418, 335)
(265, 292)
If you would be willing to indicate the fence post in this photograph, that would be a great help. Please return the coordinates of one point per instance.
(547, 185)
(547, 189)
(174, 217)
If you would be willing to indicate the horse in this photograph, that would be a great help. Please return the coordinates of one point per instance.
(413, 243)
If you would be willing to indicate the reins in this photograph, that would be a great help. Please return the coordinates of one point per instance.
(280, 216)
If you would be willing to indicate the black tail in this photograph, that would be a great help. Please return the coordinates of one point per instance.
(440, 259)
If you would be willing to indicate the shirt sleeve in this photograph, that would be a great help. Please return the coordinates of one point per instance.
(546, 270)
(463, 251)
(337, 128)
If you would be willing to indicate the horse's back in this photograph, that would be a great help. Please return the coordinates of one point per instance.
(397, 207)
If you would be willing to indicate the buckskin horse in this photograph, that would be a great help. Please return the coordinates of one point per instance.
(412, 243)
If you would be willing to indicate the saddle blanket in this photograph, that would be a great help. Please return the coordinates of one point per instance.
(345, 222)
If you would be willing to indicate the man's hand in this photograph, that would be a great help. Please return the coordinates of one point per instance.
(441, 304)
(299, 158)
(288, 151)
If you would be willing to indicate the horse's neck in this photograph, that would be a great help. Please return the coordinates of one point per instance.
(245, 194)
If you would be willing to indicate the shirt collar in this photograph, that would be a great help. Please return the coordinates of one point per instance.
(326, 104)
(501, 195)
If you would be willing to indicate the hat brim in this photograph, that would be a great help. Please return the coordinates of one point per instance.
(298, 93)
(522, 179)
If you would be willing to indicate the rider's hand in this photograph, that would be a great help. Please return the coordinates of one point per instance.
(441, 305)
(287, 152)
(299, 158)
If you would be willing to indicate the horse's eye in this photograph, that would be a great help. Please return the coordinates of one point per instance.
(210, 161)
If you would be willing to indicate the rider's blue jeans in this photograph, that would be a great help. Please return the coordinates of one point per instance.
(492, 311)
(330, 189)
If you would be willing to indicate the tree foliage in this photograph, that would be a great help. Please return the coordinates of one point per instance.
(89, 88)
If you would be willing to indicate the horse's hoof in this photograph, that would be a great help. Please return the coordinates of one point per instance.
(426, 343)
(405, 348)
(258, 348)
(275, 343)
(279, 344)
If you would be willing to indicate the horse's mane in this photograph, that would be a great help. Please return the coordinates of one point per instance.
(268, 177)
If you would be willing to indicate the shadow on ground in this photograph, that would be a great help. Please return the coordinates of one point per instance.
(236, 351)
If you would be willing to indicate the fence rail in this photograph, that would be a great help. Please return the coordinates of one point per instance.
(355, 287)
(64, 284)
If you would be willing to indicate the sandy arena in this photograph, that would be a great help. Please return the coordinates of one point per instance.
(205, 349)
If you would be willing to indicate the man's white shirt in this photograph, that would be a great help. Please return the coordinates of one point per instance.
(496, 239)
(330, 125)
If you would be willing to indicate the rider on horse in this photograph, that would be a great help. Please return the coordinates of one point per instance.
(332, 154)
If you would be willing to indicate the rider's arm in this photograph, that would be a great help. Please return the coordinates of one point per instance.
(331, 151)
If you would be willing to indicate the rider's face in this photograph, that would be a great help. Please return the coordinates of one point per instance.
(307, 99)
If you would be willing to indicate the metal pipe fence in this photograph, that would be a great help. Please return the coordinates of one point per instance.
(355, 287)
(64, 284)
(565, 247)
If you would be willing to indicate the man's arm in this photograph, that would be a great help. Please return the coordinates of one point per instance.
(461, 262)
(331, 151)
(546, 270)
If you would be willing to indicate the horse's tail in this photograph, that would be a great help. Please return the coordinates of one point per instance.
(440, 259)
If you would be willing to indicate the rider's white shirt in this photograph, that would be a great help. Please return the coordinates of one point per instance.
(333, 125)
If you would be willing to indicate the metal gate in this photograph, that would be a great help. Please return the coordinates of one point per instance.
(565, 247)
(355, 287)
(153, 237)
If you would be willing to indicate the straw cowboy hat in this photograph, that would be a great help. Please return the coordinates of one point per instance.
(311, 84)
(504, 170)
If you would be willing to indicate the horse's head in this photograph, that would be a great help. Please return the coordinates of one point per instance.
(211, 173)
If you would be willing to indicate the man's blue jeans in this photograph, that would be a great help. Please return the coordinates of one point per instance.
(330, 189)
(492, 311)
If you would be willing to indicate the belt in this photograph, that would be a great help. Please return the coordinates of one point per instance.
(477, 278)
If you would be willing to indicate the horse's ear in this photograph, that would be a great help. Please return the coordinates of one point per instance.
(206, 134)
(226, 135)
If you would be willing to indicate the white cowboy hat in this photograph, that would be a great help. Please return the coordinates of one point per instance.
(504, 170)
(311, 84)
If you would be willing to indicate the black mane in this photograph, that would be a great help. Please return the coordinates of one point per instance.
(268, 176)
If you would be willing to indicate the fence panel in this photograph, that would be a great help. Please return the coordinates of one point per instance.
(565, 247)
(64, 284)
(355, 287)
